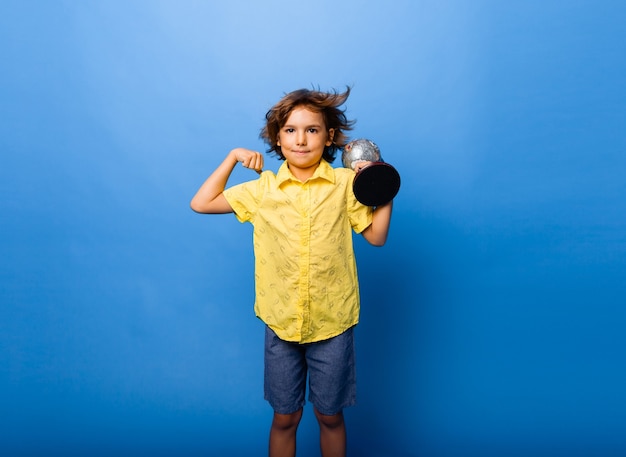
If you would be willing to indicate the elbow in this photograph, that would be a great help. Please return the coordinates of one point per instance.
(374, 237)
(378, 243)
(196, 207)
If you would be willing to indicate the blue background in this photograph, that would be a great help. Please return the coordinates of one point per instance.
(493, 322)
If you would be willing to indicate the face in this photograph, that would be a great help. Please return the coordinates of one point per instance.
(302, 140)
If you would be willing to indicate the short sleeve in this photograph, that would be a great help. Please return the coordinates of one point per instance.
(245, 198)
(360, 215)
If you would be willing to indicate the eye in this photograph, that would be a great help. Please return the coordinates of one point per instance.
(290, 130)
(313, 130)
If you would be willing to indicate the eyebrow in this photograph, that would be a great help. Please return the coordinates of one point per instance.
(319, 126)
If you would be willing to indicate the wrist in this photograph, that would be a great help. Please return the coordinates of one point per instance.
(233, 156)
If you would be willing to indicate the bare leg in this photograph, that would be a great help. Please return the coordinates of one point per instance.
(332, 434)
(283, 434)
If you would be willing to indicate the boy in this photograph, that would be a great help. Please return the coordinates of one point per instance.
(305, 271)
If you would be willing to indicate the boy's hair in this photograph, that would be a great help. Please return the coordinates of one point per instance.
(320, 102)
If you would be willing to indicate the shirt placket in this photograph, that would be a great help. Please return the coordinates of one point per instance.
(304, 202)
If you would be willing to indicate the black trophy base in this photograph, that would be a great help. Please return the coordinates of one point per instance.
(376, 184)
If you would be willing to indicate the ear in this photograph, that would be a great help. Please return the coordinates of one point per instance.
(331, 136)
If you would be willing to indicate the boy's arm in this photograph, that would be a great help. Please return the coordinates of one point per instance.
(209, 198)
(376, 233)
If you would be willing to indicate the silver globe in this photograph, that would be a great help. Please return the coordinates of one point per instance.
(361, 149)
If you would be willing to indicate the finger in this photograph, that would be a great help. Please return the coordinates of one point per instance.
(249, 161)
(357, 165)
(257, 162)
(254, 162)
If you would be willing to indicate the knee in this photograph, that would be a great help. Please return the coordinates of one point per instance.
(334, 421)
(287, 421)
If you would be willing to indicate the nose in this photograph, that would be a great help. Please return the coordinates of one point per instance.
(301, 137)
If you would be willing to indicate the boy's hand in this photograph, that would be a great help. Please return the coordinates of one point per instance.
(358, 165)
(249, 159)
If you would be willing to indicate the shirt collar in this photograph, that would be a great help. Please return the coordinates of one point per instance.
(323, 171)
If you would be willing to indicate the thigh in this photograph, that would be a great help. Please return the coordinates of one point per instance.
(332, 373)
(285, 374)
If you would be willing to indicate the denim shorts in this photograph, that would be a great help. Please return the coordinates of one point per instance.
(331, 369)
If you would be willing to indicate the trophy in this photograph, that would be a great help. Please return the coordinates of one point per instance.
(378, 182)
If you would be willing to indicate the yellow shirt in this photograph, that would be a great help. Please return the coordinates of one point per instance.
(305, 270)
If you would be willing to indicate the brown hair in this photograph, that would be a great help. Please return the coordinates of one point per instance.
(321, 102)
